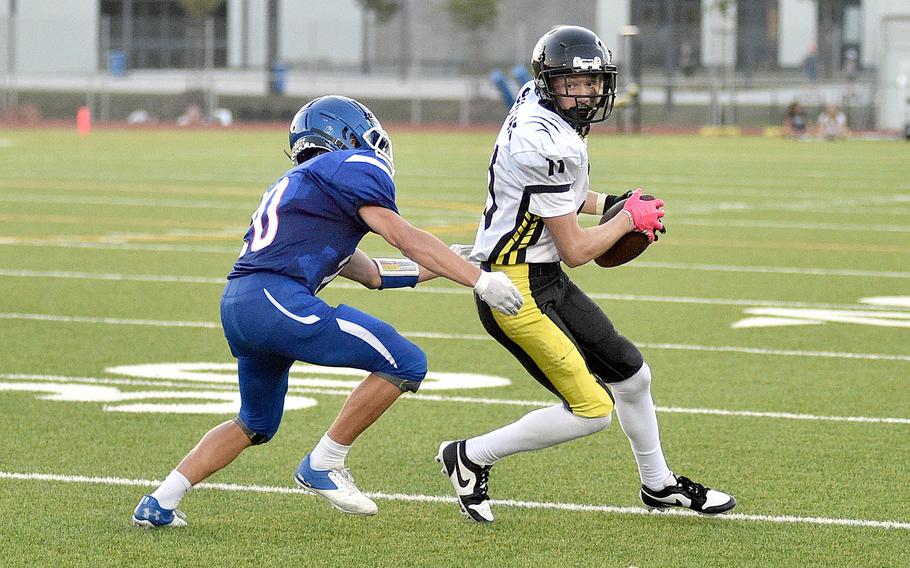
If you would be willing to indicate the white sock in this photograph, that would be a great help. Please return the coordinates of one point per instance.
(535, 430)
(638, 419)
(172, 490)
(328, 454)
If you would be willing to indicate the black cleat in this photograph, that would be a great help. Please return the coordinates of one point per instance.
(469, 480)
(688, 494)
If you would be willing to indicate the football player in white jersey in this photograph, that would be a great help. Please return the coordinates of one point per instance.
(538, 184)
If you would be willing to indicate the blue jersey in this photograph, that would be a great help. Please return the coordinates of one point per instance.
(307, 225)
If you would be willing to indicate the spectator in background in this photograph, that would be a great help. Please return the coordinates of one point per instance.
(810, 63)
(687, 59)
(851, 64)
(832, 124)
(795, 121)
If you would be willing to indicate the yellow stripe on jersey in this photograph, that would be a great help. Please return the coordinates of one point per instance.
(519, 240)
(552, 350)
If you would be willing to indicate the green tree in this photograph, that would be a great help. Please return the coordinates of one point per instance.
(474, 16)
(198, 10)
(383, 11)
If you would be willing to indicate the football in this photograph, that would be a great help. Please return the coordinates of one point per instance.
(628, 246)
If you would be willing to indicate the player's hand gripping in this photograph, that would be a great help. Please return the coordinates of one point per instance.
(645, 215)
(498, 292)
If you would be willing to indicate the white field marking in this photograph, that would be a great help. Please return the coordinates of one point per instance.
(776, 352)
(771, 269)
(789, 226)
(111, 321)
(886, 302)
(227, 373)
(873, 304)
(45, 243)
(461, 291)
(638, 264)
(437, 398)
(479, 337)
(112, 276)
(126, 202)
(418, 498)
(6, 143)
(772, 317)
(228, 402)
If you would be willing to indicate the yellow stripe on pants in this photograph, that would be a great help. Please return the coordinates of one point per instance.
(551, 350)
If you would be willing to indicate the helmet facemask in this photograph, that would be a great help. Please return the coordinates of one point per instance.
(566, 52)
(587, 108)
(380, 142)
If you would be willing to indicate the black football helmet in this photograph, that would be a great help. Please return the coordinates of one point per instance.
(574, 50)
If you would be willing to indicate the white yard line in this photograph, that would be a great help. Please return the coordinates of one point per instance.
(789, 226)
(24, 273)
(480, 337)
(449, 398)
(771, 269)
(418, 498)
(154, 247)
(110, 321)
(111, 276)
(679, 219)
(241, 205)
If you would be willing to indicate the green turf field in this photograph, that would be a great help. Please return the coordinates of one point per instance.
(775, 315)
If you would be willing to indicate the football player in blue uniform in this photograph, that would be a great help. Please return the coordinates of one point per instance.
(304, 233)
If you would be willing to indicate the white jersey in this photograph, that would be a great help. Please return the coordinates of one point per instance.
(539, 169)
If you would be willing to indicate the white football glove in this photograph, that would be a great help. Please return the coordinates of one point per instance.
(498, 292)
(464, 251)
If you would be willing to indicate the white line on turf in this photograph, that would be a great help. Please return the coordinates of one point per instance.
(110, 321)
(461, 399)
(417, 498)
(638, 264)
(112, 276)
(478, 337)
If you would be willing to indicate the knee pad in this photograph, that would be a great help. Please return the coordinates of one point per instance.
(256, 438)
(413, 369)
(635, 385)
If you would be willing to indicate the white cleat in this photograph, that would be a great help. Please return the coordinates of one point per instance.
(335, 486)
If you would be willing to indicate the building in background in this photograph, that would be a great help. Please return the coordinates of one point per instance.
(681, 41)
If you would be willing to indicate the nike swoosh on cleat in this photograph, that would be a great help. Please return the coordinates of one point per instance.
(462, 482)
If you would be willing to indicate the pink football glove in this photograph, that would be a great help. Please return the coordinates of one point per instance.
(645, 215)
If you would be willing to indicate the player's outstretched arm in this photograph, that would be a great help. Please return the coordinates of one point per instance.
(364, 270)
(428, 251)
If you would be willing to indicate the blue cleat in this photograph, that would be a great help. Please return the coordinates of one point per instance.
(335, 486)
(149, 514)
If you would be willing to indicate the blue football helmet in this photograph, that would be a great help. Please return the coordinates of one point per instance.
(334, 123)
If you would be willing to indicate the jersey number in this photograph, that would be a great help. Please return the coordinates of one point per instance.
(557, 166)
(268, 208)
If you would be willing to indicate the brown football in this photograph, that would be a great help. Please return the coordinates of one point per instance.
(628, 246)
